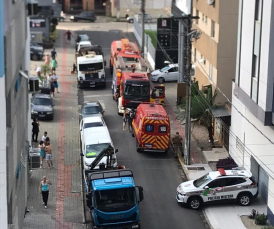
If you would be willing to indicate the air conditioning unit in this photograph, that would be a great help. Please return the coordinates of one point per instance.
(210, 2)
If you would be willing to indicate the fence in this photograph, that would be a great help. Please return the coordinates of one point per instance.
(149, 48)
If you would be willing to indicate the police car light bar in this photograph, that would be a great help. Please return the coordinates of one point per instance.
(222, 171)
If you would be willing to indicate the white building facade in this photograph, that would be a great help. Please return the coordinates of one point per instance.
(252, 119)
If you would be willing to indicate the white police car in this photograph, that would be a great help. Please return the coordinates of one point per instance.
(237, 184)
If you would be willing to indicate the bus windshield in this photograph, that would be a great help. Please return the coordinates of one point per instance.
(115, 199)
(137, 90)
(91, 67)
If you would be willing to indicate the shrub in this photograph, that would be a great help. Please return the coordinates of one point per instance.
(268, 227)
(261, 219)
(253, 214)
(227, 163)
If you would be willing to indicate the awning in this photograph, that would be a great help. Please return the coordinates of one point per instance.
(220, 112)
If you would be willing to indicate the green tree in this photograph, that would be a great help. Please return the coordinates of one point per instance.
(201, 105)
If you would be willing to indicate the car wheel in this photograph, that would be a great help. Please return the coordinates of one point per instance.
(130, 21)
(148, 21)
(34, 57)
(244, 199)
(161, 80)
(194, 202)
(61, 19)
(75, 20)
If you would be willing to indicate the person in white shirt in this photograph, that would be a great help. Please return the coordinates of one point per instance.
(44, 136)
(54, 79)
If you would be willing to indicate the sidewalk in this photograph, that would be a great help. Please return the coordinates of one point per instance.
(218, 216)
(65, 205)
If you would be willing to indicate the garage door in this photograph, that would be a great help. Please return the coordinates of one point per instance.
(263, 184)
(261, 177)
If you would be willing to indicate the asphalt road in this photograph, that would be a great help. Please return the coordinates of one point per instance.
(158, 173)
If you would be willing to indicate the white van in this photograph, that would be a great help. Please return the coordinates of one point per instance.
(93, 141)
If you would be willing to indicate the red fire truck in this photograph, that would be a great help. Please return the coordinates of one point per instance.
(129, 71)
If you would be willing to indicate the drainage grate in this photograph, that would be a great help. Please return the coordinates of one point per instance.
(195, 168)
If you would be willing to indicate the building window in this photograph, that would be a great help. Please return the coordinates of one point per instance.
(206, 20)
(195, 55)
(258, 10)
(203, 17)
(197, 14)
(255, 74)
(212, 28)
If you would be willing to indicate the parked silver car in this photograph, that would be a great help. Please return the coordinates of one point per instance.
(131, 19)
(168, 73)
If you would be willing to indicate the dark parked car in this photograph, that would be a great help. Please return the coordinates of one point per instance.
(84, 16)
(81, 37)
(42, 107)
(91, 109)
(36, 51)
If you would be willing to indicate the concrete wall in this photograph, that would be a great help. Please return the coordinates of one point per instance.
(16, 35)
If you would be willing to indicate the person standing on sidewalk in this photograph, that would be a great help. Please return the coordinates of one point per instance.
(44, 190)
(35, 130)
(53, 53)
(44, 136)
(54, 79)
(54, 65)
(177, 141)
(48, 150)
(69, 34)
(41, 146)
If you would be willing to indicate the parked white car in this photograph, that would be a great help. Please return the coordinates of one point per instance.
(90, 122)
(168, 73)
(82, 44)
(221, 185)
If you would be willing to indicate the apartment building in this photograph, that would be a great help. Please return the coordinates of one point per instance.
(252, 131)
(14, 118)
(132, 7)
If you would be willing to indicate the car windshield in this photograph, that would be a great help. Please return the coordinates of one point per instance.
(42, 101)
(84, 38)
(137, 90)
(95, 149)
(92, 124)
(164, 69)
(91, 67)
(91, 110)
(202, 180)
(115, 200)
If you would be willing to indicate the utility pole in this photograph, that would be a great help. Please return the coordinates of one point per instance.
(118, 10)
(185, 67)
(143, 5)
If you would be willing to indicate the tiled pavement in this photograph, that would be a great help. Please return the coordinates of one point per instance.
(65, 207)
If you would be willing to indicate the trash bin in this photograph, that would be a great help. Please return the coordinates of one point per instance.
(34, 158)
(34, 84)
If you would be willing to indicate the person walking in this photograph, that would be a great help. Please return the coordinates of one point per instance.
(54, 65)
(48, 150)
(52, 88)
(69, 34)
(130, 119)
(125, 118)
(54, 79)
(44, 136)
(47, 59)
(177, 141)
(35, 130)
(53, 53)
(44, 190)
(41, 146)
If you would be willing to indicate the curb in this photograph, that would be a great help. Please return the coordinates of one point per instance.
(187, 176)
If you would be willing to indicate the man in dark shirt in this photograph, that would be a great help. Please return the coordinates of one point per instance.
(69, 34)
(53, 53)
(35, 130)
